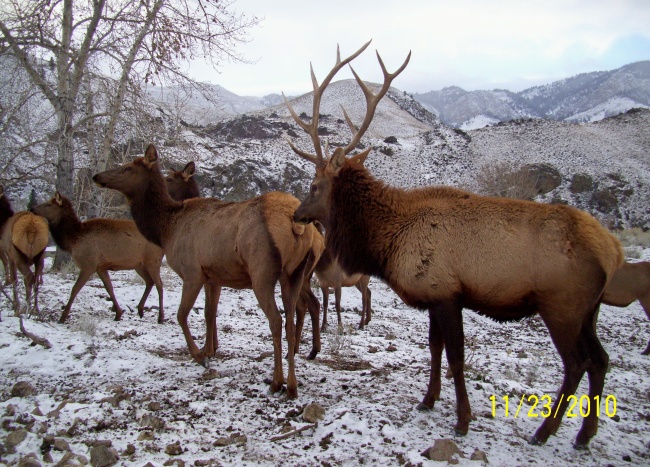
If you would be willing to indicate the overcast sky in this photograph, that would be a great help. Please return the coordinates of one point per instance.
(506, 44)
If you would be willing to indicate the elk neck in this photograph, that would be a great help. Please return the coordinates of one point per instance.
(68, 229)
(360, 207)
(153, 209)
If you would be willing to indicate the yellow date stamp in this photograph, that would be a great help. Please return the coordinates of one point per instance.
(543, 406)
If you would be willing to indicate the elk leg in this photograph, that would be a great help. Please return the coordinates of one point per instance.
(39, 264)
(83, 277)
(212, 294)
(290, 288)
(596, 360)
(362, 285)
(155, 275)
(573, 357)
(436, 344)
(450, 321)
(645, 303)
(106, 279)
(142, 272)
(314, 310)
(191, 289)
(326, 297)
(264, 292)
(337, 304)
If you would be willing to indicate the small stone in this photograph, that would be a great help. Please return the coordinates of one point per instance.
(373, 349)
(176, 462)
(442, 450)
(130, 450)
(221, 442)
(152, 421)
(522, 354)
(154, 406)
(61, 444)
(391, 348)
(313, 412)
(390, 337)
(146, 436)
(627, 458)
(37, 411)
(23, 389)
(10, 411)
(103, 456)
(15, 438)
(210, 374)
(29, 461)
(479, 455)
(243, 439)
(174, 449)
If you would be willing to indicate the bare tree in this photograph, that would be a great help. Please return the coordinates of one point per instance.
(114, 47)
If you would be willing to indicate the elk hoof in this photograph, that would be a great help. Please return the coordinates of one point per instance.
(312, 354)
(461, 430)
(292, 393)
(275, 387)
(535, 441)
(323, 328)
(422, 407)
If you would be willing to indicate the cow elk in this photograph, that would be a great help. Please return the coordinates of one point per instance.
(181, 185)
(630, 282)
(102, 245)
(24, 237)
(210, 243)
(330, 274)
(442, 249)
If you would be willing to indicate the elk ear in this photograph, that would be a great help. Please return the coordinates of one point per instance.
(151, 155)
(361, 157)
(337, 160)
(58, 199)
(188, 171)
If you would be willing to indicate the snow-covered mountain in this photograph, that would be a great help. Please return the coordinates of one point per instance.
(582, 98)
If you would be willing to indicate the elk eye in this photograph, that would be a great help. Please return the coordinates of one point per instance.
(314, 189)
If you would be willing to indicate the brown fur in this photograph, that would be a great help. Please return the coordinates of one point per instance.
(210, 243)
(181, 184)
(102, 245)
(630, 282)
(5, 214)
(443, 249)
(24, 239)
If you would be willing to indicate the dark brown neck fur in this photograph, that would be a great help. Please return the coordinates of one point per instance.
(152, 208)
(5, 211)
(68, 229)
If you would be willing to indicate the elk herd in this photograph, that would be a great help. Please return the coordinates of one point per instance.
(440, 249)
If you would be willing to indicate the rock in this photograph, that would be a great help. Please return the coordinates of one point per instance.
(391, 348)
(15, 438)
(23, 389)
(177, 462)
(29, 461)
(152, 421)
(174, 449)
(37, 411)
(10, 411)
(210, 374)
(146, 436)
(68, 459)
(580, 183)
(222, 442)
(373, 349)
(130, 450)
(479, 455)
(61, 444)
(242, 439)
(103, 456)
(313, 412)
(522, 354)
(154, 406)
(442, 450)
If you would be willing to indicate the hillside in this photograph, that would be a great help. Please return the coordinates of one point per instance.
(581, 98)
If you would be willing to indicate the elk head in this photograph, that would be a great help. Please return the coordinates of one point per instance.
(130, 178)
(51, 210)
(180, 184)
(315, 206)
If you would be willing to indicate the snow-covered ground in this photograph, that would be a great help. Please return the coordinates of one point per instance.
(133, 383)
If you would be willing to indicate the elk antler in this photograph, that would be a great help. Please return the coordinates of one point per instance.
(312, 129)
(371, 101)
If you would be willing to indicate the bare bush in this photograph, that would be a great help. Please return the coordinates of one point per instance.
(506, 180)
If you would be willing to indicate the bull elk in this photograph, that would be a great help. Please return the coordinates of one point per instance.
(442, 249)
(630, 282)
(210, 243)
(24, 237)
(102, 245)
